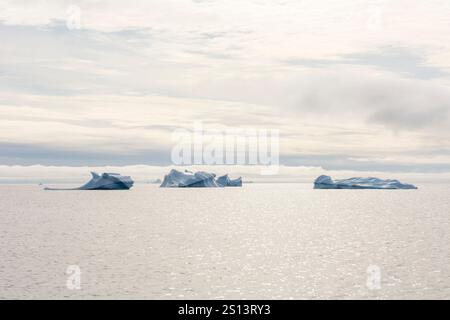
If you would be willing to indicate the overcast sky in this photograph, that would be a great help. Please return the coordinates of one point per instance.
(351, 85)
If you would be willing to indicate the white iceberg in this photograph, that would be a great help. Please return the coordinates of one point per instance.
(325, 182)
(225, 181)
(187, 179)
(106, 181)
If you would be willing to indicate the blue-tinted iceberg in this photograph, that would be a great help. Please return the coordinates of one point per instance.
(225, 181)
(106, 181)
(325, 182)
(187, 179)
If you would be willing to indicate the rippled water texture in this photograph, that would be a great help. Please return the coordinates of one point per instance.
(260, 241)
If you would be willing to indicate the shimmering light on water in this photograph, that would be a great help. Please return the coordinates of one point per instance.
(260, 241)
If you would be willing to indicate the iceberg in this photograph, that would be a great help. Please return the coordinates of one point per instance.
(325, 182)
(106, 181)
(225, 181)
(187, 179)
(155, 181)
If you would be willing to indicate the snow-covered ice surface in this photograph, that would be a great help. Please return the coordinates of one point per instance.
(106, 181)
(200, 179)
(325, 182)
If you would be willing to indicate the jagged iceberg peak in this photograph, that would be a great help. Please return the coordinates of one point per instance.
(225, 181)
(200, 179)
(105, 181)
(326, 182)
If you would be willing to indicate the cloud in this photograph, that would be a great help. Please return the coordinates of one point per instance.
(29, 154)
(99, 130)
(341, 80)
(389, 59)
(376, 98)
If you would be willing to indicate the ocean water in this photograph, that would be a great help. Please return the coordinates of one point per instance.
(262, 241)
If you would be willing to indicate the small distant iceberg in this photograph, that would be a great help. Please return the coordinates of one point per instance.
(200, 179)
(106, 181)
(325, 182)
(225, 181)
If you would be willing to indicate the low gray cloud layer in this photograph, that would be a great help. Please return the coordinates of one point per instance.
(403, 61)
(383, 99)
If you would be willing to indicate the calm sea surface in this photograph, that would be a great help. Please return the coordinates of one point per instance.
(260, 241)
